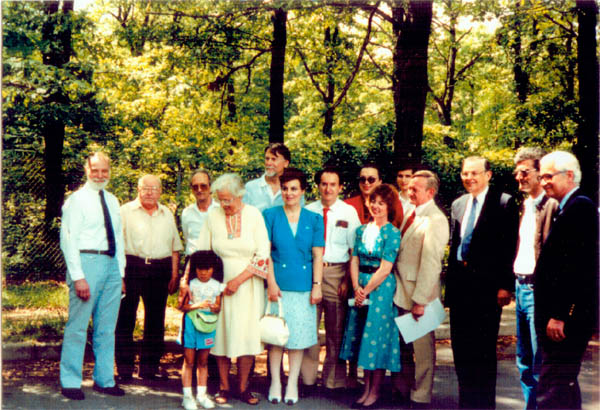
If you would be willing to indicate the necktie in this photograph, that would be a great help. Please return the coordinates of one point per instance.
(110, 234)
(409, 221)
(466, 242)
(325, 210)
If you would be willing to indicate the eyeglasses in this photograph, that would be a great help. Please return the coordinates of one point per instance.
(522, 173)
(364, 180)
(200, 187)
(548, 177)
(226, 202)
(470, 174)
(150, 189)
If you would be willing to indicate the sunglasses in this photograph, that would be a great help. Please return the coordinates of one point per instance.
(200, 187)
(364, 180)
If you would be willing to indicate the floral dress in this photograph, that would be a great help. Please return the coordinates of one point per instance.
(371, 336)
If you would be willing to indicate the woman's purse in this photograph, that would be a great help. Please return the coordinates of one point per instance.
(273, 329)
(204, 322)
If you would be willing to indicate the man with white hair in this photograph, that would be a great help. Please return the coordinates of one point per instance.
(152, 247)
(566, 283)
(91, 239)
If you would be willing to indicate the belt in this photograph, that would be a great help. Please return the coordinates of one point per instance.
(328, 264)
(367, 269)
(137, 261)
(95, 252)
(524, 279)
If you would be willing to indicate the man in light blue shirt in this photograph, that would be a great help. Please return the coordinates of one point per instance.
(265, 192)
(91, 238)
(194, 215)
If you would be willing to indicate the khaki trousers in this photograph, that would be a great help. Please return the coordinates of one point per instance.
(418, 366)
(334, 309)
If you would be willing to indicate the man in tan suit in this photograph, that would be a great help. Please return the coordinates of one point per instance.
(424, 238)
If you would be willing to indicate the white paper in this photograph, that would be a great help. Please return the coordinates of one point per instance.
(412, 329)
(352, 302)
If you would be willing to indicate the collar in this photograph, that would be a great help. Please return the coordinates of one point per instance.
(566, 198)
(421, 208)
(481, 196)
(332, 206)
(138, 205)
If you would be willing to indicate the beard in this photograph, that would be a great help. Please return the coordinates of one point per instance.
(270, 173)
(98, 186)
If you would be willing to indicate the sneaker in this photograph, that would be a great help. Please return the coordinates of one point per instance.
(206, 402)
(189, 403)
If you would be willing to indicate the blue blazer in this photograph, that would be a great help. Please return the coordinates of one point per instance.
(292, 255)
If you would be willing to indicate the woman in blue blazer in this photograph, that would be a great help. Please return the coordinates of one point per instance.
(295, 274)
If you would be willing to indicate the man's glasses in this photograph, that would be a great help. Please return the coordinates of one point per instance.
(150, 189)
(364, 180)
(548, 177)
(470, 174)
(200, 187)
(522, 173)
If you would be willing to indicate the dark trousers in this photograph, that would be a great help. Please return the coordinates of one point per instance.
(558, 387)
(474, 332)
(151, 285)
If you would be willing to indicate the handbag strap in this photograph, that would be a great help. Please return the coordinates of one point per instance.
(279, 308)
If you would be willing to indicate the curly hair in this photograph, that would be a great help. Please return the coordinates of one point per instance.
(389, 195)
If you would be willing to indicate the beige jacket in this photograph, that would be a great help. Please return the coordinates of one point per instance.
(419, 261)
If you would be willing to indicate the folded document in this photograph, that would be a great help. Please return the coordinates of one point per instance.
(412, 329)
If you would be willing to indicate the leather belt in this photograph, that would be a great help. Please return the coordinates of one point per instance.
(137, 261)
(93, 251)
(328, 264)
(367, 269)
(524, 279)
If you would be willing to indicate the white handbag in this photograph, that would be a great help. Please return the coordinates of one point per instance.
(273, 329)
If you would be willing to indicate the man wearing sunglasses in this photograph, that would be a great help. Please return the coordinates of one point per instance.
(194, 215)
(369, 179)
(566, 283)
(536, 218)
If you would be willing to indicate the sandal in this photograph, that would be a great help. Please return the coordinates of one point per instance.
(222, 397)
(249, 398)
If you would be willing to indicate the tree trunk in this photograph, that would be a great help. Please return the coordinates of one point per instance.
(586, 147)
(276, 109)
(57, 32)
(411, 29)
(329, 94)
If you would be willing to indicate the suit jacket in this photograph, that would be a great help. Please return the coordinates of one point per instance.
(543, 221)
(292, 255)
(566, 282)
(419, 262)
(364, 216)
(491, 252)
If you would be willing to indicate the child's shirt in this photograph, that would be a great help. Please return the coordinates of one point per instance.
(202, 291)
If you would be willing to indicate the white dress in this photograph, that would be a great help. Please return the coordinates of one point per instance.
(237, 327)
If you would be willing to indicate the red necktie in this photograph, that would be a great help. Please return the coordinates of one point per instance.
(409, 221)
(325, 210)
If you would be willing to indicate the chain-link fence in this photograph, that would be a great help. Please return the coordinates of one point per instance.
(30, 246)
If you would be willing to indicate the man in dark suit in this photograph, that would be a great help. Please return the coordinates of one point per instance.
(484, 226)
(566, 283)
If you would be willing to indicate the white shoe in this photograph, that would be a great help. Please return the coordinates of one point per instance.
(275, 393)
(206, 402)
(189, 403)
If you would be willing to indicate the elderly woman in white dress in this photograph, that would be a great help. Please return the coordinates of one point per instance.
(236, 232)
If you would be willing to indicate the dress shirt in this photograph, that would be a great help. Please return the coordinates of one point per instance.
(525, 260)
(260, 195)
(82, 227)
(419, 209)
(566, 198)
(192, 220)
(342, 221)
(407, 206)
(463, 223)
(149, 236)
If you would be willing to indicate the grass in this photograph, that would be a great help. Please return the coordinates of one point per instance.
(38, 312)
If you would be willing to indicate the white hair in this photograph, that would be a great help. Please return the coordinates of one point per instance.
(228, 182)
(563, 161)
(143, 177)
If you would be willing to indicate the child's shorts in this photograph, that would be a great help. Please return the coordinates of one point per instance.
(193, 339)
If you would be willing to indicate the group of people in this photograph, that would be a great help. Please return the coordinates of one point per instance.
(358, 263)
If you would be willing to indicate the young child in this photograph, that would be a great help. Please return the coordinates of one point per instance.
(206, 275)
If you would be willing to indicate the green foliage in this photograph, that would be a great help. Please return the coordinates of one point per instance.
(35, 295)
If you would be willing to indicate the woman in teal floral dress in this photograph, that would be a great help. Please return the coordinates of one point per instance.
(371, 336)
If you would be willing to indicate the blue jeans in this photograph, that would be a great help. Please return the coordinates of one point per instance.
(104, 280)
(529, 358)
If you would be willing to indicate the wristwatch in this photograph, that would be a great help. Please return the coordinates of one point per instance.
(316, 283)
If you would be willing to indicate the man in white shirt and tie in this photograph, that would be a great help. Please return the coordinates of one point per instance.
(536, 218)
(91, 238)
(341, 221)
